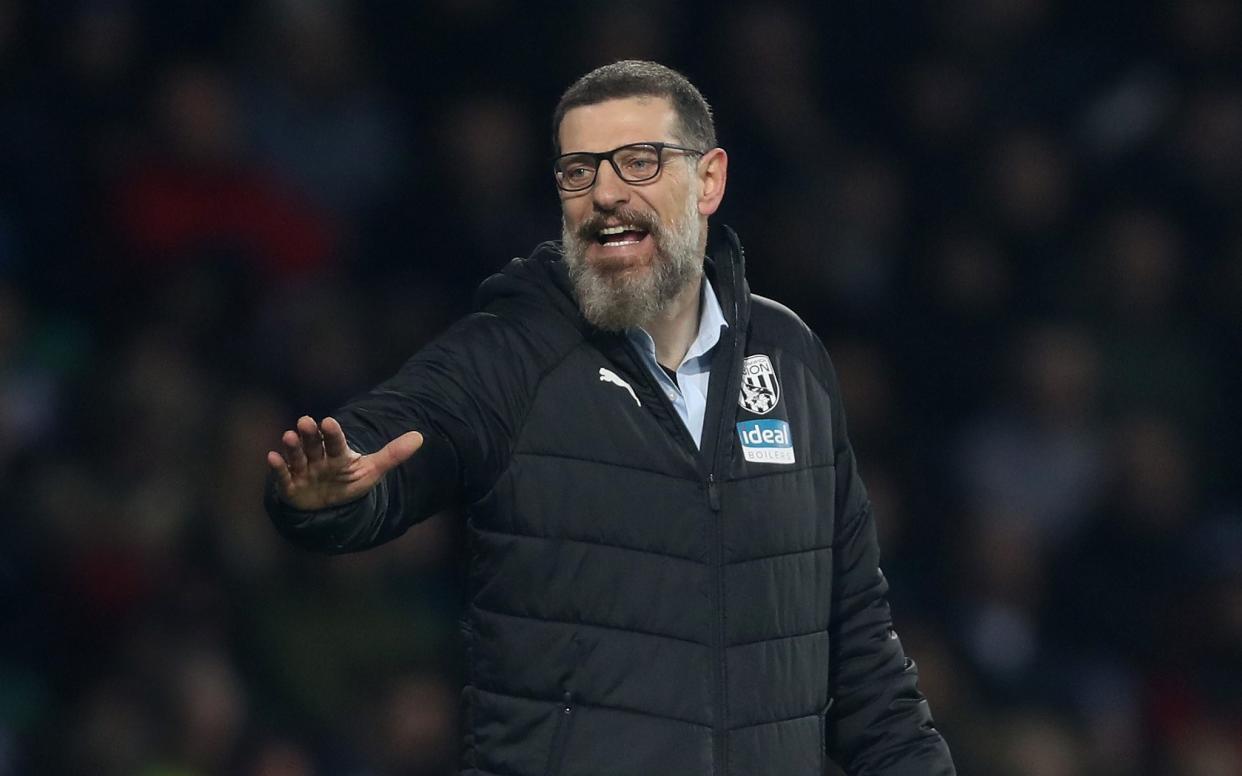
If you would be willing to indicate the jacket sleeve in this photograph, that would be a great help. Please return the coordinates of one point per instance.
(464, 393)
(878, 723)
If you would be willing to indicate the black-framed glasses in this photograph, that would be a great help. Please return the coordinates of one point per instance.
(634, 163)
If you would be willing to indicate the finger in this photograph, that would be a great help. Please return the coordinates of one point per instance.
(333, 438)
(397, 451)
(281, 469)
(312, 442)
(295, 454)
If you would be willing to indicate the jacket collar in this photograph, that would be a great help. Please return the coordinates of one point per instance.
(726, 266)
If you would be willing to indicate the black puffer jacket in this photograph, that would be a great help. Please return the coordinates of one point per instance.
(637, 607)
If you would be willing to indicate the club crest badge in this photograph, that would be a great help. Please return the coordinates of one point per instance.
(760, 388)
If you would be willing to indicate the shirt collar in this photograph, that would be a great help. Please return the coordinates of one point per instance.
(711, 323)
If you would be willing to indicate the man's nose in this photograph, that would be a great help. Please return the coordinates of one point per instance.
(609, 190)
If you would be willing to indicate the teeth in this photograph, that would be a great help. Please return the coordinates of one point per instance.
(619, 229)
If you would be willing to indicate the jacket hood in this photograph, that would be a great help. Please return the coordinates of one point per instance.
(540, 282)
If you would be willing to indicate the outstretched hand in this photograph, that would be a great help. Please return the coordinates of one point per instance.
(318, 469)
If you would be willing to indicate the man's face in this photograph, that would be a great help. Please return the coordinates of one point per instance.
(625, 279)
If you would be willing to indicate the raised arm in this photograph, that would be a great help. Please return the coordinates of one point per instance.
(433, 435)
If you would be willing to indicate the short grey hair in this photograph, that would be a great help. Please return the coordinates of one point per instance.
(637, 78)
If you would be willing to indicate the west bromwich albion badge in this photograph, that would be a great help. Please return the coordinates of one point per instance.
(760, 389)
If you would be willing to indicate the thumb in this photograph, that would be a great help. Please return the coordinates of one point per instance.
(397, 451)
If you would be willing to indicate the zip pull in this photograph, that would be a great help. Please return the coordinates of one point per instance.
(560, 738)
(713, 493)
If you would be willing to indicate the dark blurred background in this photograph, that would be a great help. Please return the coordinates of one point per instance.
(1016, 223)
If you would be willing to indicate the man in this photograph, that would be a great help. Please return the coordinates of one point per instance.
(673, 564)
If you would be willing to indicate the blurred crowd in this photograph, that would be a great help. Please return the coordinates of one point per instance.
(1017, 224)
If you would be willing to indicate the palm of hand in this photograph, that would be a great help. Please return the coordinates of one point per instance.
(318, 469)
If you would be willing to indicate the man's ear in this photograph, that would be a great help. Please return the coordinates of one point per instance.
(713, 170)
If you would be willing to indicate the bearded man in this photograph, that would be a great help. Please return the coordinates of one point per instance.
(673, 565)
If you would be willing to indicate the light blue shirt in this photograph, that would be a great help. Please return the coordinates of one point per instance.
(688, 393)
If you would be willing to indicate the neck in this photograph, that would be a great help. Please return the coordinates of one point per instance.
(675, 328)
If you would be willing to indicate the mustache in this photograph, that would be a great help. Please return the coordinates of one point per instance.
(591, 226)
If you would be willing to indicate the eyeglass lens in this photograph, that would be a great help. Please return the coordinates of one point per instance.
(634, 163)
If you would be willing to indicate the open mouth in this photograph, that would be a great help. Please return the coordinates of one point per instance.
(620, 236)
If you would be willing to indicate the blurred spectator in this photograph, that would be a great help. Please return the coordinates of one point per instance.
(1120, 603)
(487, 208)
(314, 335)
(1205, 33)
(417, 726)
(1038, 460)
(115, 731)
(1205, 749)
(1206, 151)
(316, 116)
(250, 552)
(1039, 745)
(863, 234)
(1153, 361)
(942, 104)
(1029, 182)
(204, 711)
(967, 288)
(197, 199)
(636, 30)
(1031, 471)
(29, 381)
(993, 26)
(278, 757)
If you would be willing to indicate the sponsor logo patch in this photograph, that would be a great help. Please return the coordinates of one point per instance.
(766, 441)
(760, 388)
(609, 376)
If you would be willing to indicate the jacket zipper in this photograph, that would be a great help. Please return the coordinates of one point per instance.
(720, 443)
(713, 493)
(719, 729)
(717, 547)
(736, 341)
(564, 721)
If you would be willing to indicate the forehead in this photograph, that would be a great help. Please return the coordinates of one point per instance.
(606, 125)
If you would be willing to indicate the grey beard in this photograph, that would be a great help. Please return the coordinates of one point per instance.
(617, 302)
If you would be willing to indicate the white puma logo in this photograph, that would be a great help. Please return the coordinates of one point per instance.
(609, 376)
